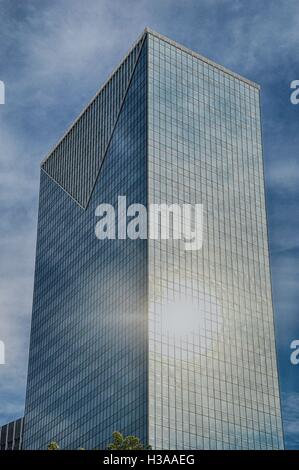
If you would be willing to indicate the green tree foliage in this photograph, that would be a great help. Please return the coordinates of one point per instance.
(53, 446)
(121, 442)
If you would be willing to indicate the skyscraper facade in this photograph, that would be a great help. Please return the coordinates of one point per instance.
(139, 335)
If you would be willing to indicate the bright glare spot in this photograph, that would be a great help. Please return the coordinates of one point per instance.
(186, 316)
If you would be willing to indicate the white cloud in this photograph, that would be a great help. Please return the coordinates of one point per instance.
(283, 175)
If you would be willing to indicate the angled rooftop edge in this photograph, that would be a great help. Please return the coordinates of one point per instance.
(169, 41)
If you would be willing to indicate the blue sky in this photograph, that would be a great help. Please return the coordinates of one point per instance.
(54, 55)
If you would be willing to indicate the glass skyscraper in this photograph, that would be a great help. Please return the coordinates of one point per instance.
(143, 336)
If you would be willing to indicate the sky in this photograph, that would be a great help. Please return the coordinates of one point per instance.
(54, 56)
